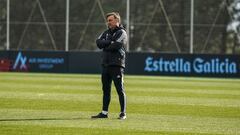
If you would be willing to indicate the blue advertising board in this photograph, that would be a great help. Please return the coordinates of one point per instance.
(39, 61)
(203, 65)
(184, 64)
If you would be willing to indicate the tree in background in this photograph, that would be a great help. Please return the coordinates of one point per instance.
(233, 27)
(2, 24)
(41, 26)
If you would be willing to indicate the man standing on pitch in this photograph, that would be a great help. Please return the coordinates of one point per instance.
(112, 42)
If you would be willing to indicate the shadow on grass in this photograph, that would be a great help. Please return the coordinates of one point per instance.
(42, 119)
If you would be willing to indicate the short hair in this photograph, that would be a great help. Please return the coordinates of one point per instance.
(115, 14)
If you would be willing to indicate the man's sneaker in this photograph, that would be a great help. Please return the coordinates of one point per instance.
(122, 116)
(100, 115)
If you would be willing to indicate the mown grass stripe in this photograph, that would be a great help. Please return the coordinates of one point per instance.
(140, 77)
(45, 75)
(202, 83)
(44, 130)
(139, 122)
(157, 85)
(97, 86)
(172, 78)
(131, 99)
(49, 80)
(93, 79)
(187, 90)
(156, 109)
(95, 90)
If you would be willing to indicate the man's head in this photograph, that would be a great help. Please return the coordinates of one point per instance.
(113, 20)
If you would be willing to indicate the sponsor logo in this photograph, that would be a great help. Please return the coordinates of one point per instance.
(24, 63)
(46, 63)
(163, 65)
(197, 65)
(20, 62)
(214, 65)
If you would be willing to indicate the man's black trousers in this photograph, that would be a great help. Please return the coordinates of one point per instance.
(115, 74)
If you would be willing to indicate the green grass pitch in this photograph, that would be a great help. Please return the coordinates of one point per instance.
(59, 104)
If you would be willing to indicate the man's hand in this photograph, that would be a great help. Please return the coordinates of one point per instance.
(103, 43)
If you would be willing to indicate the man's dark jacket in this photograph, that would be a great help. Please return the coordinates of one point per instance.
(113, 43)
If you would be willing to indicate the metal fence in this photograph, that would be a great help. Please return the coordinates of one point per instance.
(154, 25)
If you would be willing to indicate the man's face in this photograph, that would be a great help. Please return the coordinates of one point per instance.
(112, 22)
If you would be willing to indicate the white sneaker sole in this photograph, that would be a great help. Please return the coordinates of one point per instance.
(123, 118)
